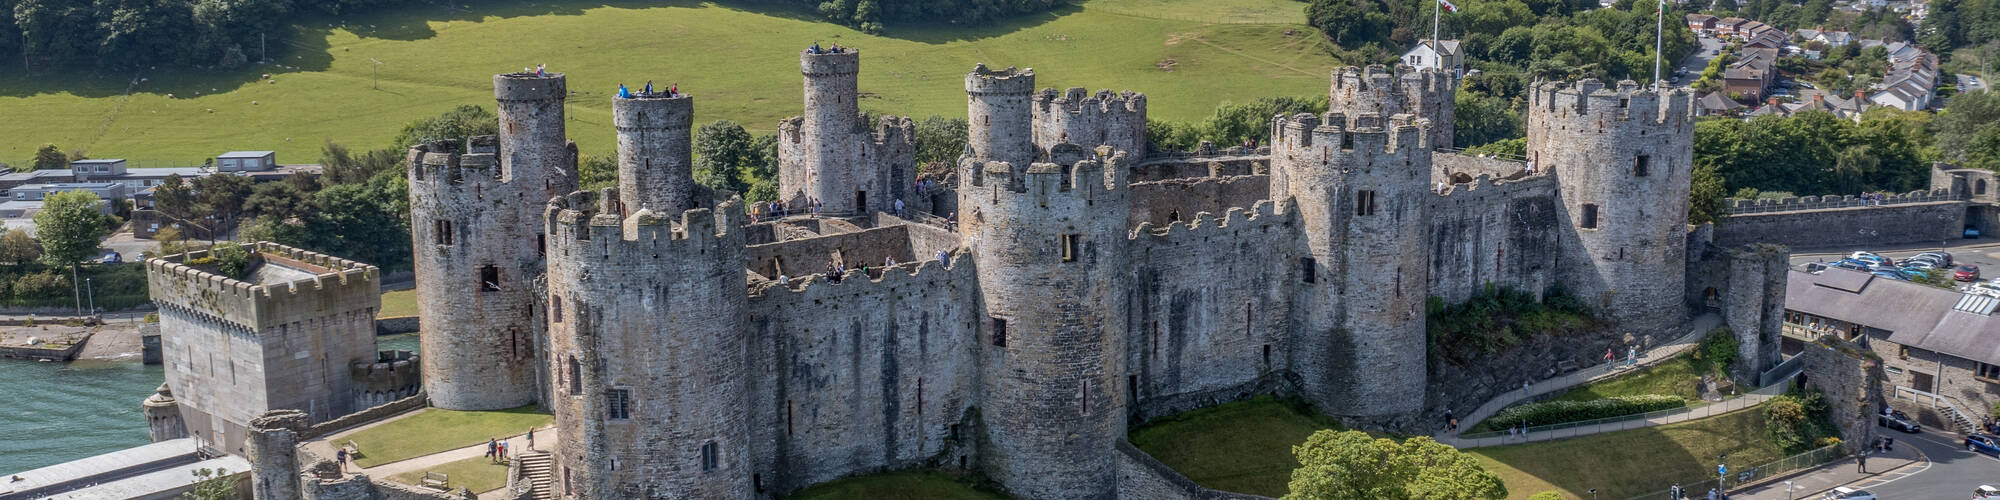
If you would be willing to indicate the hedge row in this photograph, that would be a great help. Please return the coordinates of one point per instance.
(1557, 412)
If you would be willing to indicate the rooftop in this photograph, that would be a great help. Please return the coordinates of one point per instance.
(1915, 315)
(245, 154)
(105, 161)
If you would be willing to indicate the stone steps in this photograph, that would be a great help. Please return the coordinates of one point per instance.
(537, 466)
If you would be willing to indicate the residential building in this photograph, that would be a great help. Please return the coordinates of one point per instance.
(1702, 22)
(1443, 54)
(246, 161)
(1715, 103)
(1751, 73)
(1933, 341)
(37, 192)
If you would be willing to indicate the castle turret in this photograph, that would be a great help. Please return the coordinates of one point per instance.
(655, 160)
(272, 451)
(830, 155)
(652, 404)
(1359, 185)
(1622, 159)
(1426, 93)
(163, 415)
(1050, 241)
(999, 117)
(1076, 117)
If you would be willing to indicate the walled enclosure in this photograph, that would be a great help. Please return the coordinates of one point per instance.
(234, 349)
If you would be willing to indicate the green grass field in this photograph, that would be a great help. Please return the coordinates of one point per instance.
(740, 64)
(479, 474)
(433, 430)
(398, 303)
(925, 484)
(1676, 377)
(1247, 448)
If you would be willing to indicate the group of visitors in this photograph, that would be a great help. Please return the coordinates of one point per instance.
(814, 49)
(1677, 493)
(538, 70)
(496, 451)
(1991, 425)
(625, 93)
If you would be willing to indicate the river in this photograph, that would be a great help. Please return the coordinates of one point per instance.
(52, 413)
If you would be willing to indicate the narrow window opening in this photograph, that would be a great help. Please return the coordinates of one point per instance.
(999, 332)
(1640, 164)
(1589, 219)
(575, 376)
(1308, 270)
(616, 405)
(1364, 202)
(489, 278)
(709, 460)
(541, 245)
(954, 437)
(920, 396)
(757, 481)
(788, 418)
(1069, 249)
(1083, 398)
(1267, 355)
(444, 234)
(555, 310)
(1249, 322)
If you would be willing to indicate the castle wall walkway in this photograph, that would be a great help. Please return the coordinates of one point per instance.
(1695, 330)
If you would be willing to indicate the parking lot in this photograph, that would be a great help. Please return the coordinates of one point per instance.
(1982, 252)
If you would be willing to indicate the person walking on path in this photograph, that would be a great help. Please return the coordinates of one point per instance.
(1448, 419)
(531, 439)
(1609, 366)
(492, 447)
(503, 452)
(340, 458)
(1861, 461)
(1631, 355)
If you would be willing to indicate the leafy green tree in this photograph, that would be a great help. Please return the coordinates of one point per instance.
(346, 167)
(283, 200)
(50, 157)
(211, 484)
(18, 248)
(1966, 131)
(459, 123)
(232, 259)
(360, 222)
(222, 196)
(595, 172)
(940, 139)
(1707, 195)
(70, 226)
(721, 149)
(1351, 464)
(1482, 119)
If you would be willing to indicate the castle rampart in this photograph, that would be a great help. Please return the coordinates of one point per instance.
(1494, 232)
(1076, 117)
(1387, 91)
(1622, 158)
(830, 155)
(1176, 200)
(655, 155)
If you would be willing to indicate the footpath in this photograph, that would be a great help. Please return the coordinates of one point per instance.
(1696, 329)
(545, 439)
(1810, 483)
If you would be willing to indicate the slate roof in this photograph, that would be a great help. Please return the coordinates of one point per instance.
(1915, 315)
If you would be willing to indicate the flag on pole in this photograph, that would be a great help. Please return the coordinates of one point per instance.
(1447, 6)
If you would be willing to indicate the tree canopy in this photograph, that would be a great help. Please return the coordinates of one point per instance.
(1351, 464)
(70, 225)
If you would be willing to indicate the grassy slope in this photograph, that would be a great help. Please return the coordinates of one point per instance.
(907, 484)
(436, 430)
(1675, 376)
(740, 65)
(398, 303)
(479, 474)
(1246, 447)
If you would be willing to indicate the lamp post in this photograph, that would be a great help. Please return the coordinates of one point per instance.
(92, 293)
(1788, 490)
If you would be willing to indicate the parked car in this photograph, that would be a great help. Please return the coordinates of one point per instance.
(1852, 266)
(1846, 493)
(1985, 492)
(1890, 274)
(1983, 443)
(111, 258)
(1877, 260)
(1896, 419)
(1861, 253)
(1925, 260)
(1966, 273)
(1971, 232)
(1942, 257)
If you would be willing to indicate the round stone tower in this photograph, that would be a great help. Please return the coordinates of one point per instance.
(829, 165)
(1359, 184)
(647, 350)
(999, 116)
(1049, 243)
(1426, 93)
(163, 415)
(655, 160)
(1622, 159)
(273, 455)
(475, 212)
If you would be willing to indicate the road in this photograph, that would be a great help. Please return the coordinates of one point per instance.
(1970, 83)
(1710, 49)
(1952, 472)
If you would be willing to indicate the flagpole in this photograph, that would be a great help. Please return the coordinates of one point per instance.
(1659, 34)
(1437, 10)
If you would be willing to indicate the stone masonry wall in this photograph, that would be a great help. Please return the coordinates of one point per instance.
(801, 257)
(865, 375)
(1207, 323)
(1104, 119)
(1178, 200)
(1872, 226)
(1494, 232)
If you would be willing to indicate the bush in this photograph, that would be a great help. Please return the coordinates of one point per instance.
(1500, 318)
(42, 285)
(1717, 352)
(1556, 412)
(1549, 495)
(1798, 420)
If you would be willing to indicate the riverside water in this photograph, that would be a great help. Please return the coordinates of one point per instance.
(52, 413)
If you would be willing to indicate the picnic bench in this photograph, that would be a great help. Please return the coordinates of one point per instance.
(437, 480)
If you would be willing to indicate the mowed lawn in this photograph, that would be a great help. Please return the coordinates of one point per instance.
(397, 304)
(479, 474)
(1673, 377)
(924, 484)
(1247, 448)
(434, 430)
(740, 63)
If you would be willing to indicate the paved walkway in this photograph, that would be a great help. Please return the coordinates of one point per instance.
(1842, 472)
(545, 439)
(1697, 328)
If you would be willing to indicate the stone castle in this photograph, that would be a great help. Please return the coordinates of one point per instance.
(1024, 307)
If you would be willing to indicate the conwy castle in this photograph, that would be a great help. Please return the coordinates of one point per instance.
(1013, 316)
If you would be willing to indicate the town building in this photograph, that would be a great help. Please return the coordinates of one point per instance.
(1940, 348)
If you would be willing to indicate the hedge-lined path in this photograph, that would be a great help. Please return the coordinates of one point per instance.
(1697, 328)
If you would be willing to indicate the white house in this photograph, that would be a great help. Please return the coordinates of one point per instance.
(1444, 54)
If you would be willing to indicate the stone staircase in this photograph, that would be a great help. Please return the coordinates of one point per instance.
(538, 468)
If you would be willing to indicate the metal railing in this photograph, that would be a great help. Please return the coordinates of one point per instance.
(1944, 404)
(1633, 421)
(1740, 477)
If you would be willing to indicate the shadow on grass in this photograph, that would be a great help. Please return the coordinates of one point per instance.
(1244, 447)
(1628, 463)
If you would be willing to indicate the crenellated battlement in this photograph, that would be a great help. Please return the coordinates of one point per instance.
(1590, 100)
(1204, 224)
(528, 86)
(919, 274)
(1086, 179)
(1010, 81)
(1078, 100)
(450, 166)
(1336, 135)
(894, 130)
(1378, 83)
(257, 305)
(653, 111)
(1790, 204)
(846, 62)
(589, 219)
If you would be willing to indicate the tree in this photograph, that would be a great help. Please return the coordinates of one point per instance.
(1965, 130)
(232, 259)
(1350, 464)
(345, 167)
(1707, 195)
(18, 248)
(49, 157)
(721, 148)
(70, 226)
(174, 197)
(222, 196)
(215, 484)
(359, 222)
(283, 200)
(459, 123)
(940, 139)
(596, 172)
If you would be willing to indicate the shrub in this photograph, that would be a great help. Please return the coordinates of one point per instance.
(1501, 318)
(1717, 352)
(232, 260)
(42, 285)
(1549, 495)
(1556, 412)
(1798, 420)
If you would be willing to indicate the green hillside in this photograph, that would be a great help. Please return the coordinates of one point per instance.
(1187, 55)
